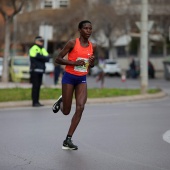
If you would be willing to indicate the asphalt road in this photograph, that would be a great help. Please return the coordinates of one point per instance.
(122, 136)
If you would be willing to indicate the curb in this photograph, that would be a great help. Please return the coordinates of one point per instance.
(89, 100)
(128, 98)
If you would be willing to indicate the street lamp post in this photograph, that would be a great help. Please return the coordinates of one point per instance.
(144, 47)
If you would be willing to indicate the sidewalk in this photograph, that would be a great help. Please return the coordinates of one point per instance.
(23, 85)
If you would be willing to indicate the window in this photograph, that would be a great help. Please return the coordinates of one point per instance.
(157, 49)
(48, 4)
(105, 1)
(64, 3)
(55, 3)
(22, 62)
(121, 51)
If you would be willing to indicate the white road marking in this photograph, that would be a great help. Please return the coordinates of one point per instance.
(166, 136)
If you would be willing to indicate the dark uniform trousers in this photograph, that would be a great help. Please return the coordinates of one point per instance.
(36, 80)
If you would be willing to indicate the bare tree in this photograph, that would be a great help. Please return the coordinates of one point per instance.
(16, 6)
(112, 24)
(67, 20)
(64, 22)
(114, 20)
(160, 14)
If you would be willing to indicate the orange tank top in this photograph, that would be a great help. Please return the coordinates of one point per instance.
(79, 53)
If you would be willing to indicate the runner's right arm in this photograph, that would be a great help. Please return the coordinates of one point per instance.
(68, 47)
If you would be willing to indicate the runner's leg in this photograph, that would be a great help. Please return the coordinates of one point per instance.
(67, 96)
(81, 98)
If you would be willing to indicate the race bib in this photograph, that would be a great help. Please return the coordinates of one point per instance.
(82, 68)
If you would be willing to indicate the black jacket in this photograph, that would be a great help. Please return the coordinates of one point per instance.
(38, 57)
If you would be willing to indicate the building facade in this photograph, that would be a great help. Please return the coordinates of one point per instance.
(57, 19)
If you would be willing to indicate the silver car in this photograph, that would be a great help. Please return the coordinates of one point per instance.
(111, 67)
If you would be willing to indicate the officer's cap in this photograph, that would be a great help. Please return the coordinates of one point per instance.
(39, 38)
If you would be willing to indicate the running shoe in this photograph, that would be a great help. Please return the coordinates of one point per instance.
(56, 106)
(68, 145)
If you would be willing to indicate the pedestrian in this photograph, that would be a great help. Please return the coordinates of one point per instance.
(80, 58)
(132, 72)
(57, 67)
(151, 70)
(38, 57)
(101, 73)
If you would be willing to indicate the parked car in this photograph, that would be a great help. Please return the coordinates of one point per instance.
(19, 68)
(111, 68)
(1, 66)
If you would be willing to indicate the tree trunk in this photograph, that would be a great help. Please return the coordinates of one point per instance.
(5, 73)
(112, 52)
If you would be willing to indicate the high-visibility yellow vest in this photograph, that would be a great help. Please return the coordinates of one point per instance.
(36, 49)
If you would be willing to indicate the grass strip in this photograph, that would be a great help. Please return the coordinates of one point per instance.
(21, 94)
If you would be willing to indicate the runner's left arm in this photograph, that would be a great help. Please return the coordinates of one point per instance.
(92, 58)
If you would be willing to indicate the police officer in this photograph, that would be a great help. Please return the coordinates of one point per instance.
(38, 57)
